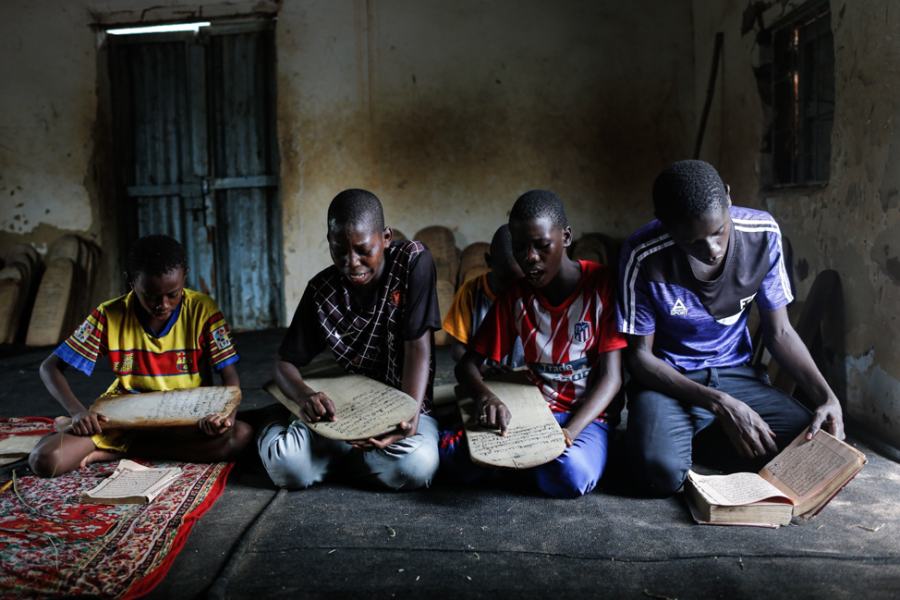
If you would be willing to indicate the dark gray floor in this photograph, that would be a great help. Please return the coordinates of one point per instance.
(501, 539)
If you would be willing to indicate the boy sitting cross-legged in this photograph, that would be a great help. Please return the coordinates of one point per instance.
(564, 313)
(375, 308)
(159, 336)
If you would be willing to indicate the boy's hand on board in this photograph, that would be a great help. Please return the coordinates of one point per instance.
(404, 430)
(317, 407)
(87, 423)
(493, 414)
(215, 425)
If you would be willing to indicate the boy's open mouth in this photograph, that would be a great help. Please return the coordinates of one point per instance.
(357, 277)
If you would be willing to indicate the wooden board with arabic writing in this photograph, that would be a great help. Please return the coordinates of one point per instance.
(533, 438)
(365, 408)
(171, 408)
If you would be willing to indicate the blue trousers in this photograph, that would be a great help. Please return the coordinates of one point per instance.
(661, 429)
(574, 473)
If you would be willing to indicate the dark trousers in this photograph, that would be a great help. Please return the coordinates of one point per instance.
(661, 429)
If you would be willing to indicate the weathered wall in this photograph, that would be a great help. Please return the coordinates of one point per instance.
(851, 225)
(447, 111)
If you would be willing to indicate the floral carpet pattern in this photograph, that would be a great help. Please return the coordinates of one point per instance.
(53, 545)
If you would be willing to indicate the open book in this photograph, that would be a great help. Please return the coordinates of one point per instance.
(799, 481)
(131, 483)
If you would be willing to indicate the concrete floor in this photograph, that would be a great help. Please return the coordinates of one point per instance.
(501, 538)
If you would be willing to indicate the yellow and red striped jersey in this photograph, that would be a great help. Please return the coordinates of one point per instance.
(195, 342)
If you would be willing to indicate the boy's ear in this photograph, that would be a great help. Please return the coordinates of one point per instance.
(186, 271)
(129, 280)
(567, 237)
(388, 234)
(487, 260)
(728, 194)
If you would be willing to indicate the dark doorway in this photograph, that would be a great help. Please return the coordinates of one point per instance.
(194, 124)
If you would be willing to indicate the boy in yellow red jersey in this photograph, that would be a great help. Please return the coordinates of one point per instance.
(160, 336)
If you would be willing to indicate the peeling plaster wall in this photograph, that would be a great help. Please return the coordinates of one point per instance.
(447, 111)
(853, 224)
(47, 110)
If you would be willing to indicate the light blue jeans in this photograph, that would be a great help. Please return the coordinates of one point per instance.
(296, 457)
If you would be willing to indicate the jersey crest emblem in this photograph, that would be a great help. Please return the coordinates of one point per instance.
(84, 332)
(221, 337)
(582, 332)
(678, 309)
(184, 363)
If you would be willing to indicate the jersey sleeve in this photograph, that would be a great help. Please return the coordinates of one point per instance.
(497, 334)
(422, 311)
(775, 291)
(458, 321)
(634, 309)
(219, 343)
(89, 342)
(608, 334)
(303, 340)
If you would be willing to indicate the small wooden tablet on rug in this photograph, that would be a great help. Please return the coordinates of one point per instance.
(365, 408)
(167, 409)
(533, 438)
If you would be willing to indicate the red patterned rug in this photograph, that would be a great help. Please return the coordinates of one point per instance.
(53, 545)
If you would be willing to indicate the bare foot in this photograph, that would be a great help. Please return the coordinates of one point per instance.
(61, 424)
(98, 455)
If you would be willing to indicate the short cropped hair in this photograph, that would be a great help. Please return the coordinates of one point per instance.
(501, 247)
(356, 207)
(156, 254)
(539, 204)
(688, 189)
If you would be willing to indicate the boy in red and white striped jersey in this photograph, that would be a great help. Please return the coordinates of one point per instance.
(563, 311)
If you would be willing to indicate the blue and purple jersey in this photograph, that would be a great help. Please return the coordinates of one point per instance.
(701, 324)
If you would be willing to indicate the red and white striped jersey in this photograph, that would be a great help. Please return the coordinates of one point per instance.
(562, 342)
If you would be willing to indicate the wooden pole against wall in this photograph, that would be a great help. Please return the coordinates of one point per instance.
(710, 91)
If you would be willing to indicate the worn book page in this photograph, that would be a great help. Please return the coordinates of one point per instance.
(132, 481)
(533, 438)
(365, 408)
(167, 409)
(806, 467)
(734, 490)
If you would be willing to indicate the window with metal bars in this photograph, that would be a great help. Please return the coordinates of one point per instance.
(803, 96)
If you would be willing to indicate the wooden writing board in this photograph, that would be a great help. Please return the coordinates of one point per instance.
(473, 256)
(365, 408)
(533, 438)
(16, 448)
(10, 305)
(445, 293)
(52, 307)
(442, 243)
(441, 270)
(167, 409)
